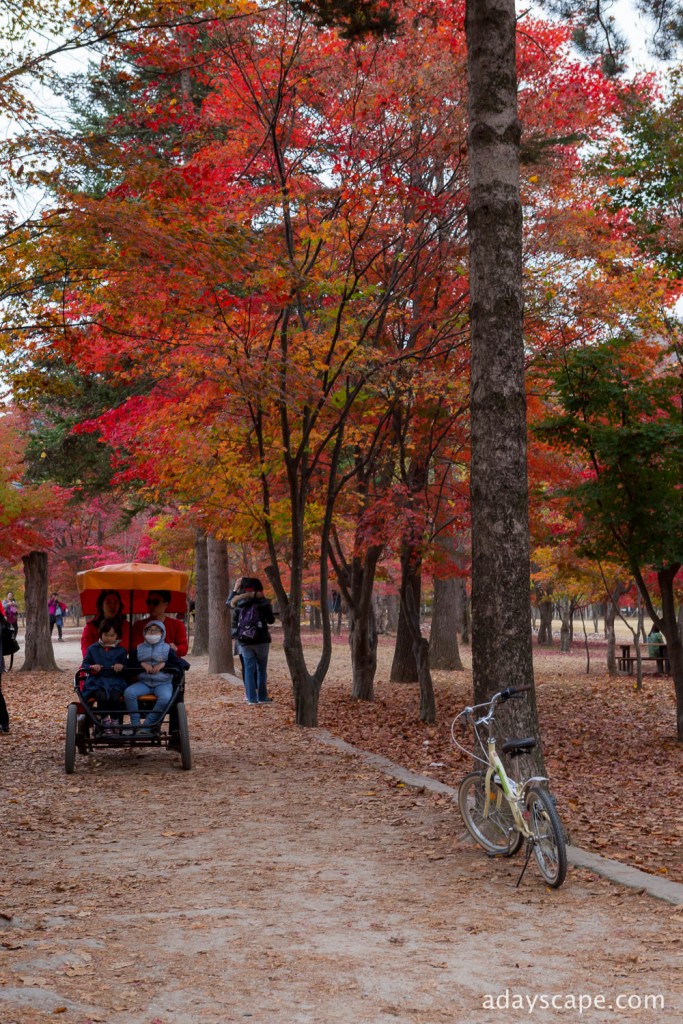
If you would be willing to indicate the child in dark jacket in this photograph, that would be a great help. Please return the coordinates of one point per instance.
(104, 662)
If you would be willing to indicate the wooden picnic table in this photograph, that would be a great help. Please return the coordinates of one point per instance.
(626, 660)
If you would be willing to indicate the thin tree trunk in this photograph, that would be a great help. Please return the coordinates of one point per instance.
(585, 641)
(640, 618)
(38, 651)
(201, 606)
(610, 632)
(611, 609)
(220, 644)
(466, 615)
(501, 612)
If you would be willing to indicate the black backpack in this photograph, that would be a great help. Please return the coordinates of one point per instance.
(249, 624)
(9, 644)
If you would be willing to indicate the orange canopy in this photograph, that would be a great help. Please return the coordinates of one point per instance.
(133, 581)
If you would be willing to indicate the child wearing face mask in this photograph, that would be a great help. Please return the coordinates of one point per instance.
(104, 662)
(154, 656)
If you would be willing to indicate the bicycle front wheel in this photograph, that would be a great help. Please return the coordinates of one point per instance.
(489, 820)
(549, 847)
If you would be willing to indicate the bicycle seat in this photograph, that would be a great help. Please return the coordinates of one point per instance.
(516, 747)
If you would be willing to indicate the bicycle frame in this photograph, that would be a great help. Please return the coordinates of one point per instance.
(515, 798)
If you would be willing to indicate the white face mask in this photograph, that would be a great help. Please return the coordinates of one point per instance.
(153, 638)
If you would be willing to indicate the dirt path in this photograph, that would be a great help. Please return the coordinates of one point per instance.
(282, 881)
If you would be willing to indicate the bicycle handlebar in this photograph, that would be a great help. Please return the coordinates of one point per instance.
(502, 696)
(512, 691)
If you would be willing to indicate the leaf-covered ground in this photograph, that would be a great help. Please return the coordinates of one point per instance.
(284, 881)
(610, 751)
(611, 754)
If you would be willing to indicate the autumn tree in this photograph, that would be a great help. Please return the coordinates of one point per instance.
(321, 324)
(500, 545)
(620, 404)
(645, 166)
(26, 515)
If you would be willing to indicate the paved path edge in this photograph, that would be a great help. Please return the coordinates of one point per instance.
(614, 870)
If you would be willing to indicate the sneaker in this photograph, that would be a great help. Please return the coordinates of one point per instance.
(107, 727)
(251, 703)
(143, 733)
(4, 728)
(266, 700)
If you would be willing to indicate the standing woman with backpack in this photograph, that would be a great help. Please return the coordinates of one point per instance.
(252, 613)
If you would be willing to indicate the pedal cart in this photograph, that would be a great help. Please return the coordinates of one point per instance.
(89, 727)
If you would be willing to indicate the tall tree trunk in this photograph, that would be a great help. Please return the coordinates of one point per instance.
(201, 608)
(363, 644)
(404, 664)
(412, 566)
(501, 612)
(306, 685)
(444, 652)
(357, 587)
(565, 627)
(545, 616)
(220, 644)
(393, 608)
(38, 652)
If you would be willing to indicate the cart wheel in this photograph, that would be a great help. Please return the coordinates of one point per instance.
(184, 738)
(81, 736)
(70, 743)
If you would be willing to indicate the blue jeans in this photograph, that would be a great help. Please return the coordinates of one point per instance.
(163, 693)
(255, 664)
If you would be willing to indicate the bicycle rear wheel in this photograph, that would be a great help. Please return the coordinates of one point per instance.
(494, 829)
(549, 847)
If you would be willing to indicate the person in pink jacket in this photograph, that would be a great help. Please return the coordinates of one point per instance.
(56, 610)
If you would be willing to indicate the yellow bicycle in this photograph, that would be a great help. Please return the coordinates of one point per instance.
(502, 812)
